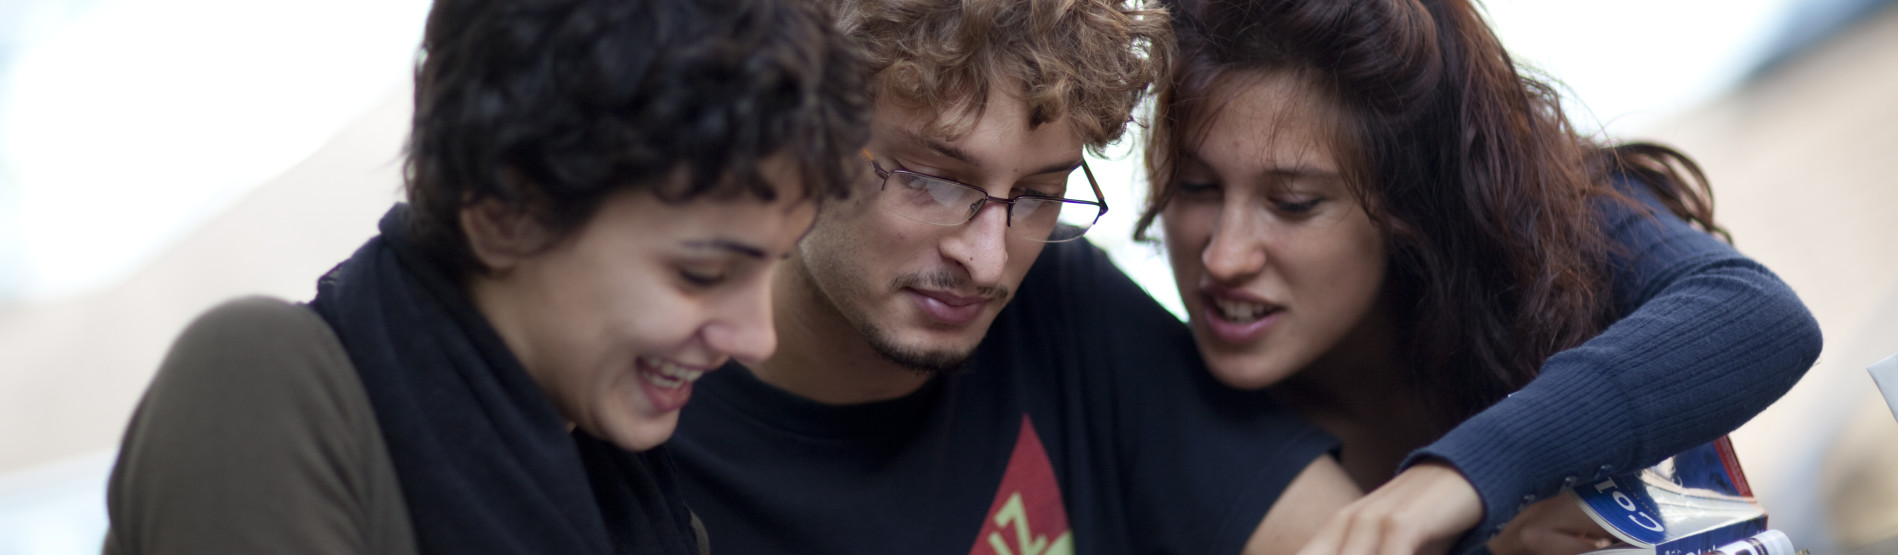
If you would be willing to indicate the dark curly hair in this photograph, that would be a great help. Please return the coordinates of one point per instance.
(1487, 197)
(549, 105)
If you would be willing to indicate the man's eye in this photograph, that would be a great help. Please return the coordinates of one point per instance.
(937, 173)
(1038, 192)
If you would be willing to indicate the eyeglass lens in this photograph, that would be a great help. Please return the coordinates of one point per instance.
(941, 202)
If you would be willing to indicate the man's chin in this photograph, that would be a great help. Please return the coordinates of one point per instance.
(933, 362)
(931, 359)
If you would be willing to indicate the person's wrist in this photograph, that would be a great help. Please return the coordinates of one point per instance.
(1457, 500)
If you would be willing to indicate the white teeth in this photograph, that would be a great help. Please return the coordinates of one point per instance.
(668, 374)
(1241, 311)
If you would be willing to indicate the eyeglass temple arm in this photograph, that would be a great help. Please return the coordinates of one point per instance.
(1090, 182)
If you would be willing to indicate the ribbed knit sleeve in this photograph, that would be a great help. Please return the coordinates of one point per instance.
(1710, 338)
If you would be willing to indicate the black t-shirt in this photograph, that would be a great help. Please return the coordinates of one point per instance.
(1086, 423)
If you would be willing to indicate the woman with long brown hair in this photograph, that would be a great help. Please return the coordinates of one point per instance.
(1370, 210)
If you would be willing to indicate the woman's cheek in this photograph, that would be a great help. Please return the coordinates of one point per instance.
(1184, 241)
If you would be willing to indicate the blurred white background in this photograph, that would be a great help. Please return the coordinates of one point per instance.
(159, 156)
(124, 124)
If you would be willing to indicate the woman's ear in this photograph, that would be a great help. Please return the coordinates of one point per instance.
(499, 235)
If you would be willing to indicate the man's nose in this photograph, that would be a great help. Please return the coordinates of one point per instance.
(980, 246)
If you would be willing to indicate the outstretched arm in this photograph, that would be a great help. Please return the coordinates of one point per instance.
(1710, 338)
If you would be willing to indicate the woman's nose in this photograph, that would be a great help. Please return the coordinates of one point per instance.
(1236, 248)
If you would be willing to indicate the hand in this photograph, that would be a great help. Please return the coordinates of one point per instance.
(1423, 510)
(1555, 526)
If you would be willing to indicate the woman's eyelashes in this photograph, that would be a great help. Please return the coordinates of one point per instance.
(703, 276)
(1198, 190)
(1289, 204)
(701, 279)
(1296, 206)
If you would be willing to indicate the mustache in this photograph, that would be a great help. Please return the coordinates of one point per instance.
(948, 281)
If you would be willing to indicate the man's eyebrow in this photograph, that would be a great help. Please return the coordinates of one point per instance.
(1063, 167)
(726, 245)
(942, 148)
(952, 152)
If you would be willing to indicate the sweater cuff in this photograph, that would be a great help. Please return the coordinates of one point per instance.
(1534, 444)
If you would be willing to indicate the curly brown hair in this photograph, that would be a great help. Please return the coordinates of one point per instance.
(1088, 60)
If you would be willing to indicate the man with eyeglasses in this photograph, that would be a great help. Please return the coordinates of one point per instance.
(956, 372)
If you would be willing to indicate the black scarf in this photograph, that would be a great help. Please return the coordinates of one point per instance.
(485, 460)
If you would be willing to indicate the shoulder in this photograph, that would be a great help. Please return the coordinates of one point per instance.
(265, 311)
(1083, 280)
(1065, 263)
(275, 364)
(1076, 296)
(255, 345)
(1633, 214)
(255, 327)
(1625, 197)
(254, 435)
(1651, 248)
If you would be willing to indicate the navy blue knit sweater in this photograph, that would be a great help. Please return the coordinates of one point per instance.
(1710, 338)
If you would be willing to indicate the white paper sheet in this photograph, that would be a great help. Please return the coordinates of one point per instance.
(1885, 373)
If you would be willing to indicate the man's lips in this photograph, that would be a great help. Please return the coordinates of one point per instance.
(951, 298)
(948, 308)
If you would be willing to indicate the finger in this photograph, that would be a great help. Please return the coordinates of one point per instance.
(1507, 544)
(1554, 526)
(1569, 517)
(1438, 546)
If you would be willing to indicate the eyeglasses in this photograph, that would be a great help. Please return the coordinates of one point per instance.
(945, 202)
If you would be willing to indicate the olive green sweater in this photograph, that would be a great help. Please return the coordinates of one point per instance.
(256, 437)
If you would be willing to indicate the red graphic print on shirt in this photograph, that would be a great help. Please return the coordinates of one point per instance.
(1027, 517)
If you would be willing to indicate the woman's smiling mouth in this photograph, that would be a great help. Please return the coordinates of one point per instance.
(1237, 317)
(666, 383)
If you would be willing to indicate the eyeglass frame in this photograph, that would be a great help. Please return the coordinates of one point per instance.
(1008, 214)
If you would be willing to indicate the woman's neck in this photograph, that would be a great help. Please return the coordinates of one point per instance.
(1360, 392)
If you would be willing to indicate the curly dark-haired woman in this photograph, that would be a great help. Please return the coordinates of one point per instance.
(598, 194)
(1371, 211)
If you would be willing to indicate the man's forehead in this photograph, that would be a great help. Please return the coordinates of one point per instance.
(915, 139)
(919, 130)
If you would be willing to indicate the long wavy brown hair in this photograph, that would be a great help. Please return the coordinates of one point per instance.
(1488, 199)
